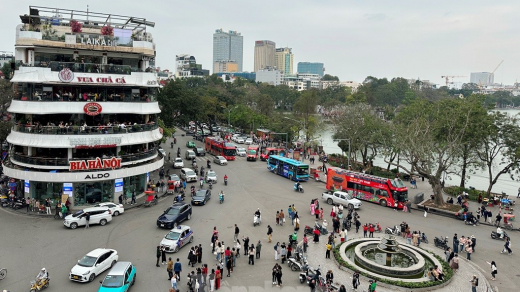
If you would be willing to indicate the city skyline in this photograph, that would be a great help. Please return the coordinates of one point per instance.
(354, 40)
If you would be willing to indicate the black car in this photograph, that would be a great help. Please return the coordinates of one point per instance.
(201, 197)
(199, 151)
(174, 215)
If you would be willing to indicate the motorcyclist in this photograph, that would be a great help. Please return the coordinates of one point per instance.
(298, 186)
(257, 213)
(225, 177)
(42, 276)
(201, 181)
(470, 217)
(171, 144)
(221, 196)
(500, 232)
(208, 164)
(294, 238)
(192, 191)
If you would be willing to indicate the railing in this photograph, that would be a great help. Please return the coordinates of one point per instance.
(47, 161)
(103, 98)
(89, 67)
(80, 130)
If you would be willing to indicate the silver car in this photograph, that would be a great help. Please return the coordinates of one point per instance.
(220, 160)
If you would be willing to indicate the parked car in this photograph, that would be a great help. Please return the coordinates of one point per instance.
(188, 174)
(120, 278)
(201, 197)
(189, 155)
(190, 144)
(178, 163)
(98, 215)
(211, 175)
(177, 238)
(116, 209)
(93, 264)
(199, 151)
(248, 141)
(241, 152)
(174, 215)
(220, 160)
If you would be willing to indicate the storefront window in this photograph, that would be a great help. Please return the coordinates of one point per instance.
(134, 184)
(47, 190)
(93, 193)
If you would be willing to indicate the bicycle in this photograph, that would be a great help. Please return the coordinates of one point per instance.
(3, 273)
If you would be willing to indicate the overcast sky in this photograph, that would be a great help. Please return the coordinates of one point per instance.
(354, 39)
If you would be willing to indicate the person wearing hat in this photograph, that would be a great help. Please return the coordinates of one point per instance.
(473, 242)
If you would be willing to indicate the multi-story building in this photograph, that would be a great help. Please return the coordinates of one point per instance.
(228, 66)
(6, 57)
(284, 59)
(482, 78)
(187, 67)
(84, 106)
(230, 77)
(302, 81)
(264, 55)
(270, 76)
(311, 68)
(228, 46)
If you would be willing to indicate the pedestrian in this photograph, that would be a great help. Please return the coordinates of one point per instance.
(498, 218)
(507, 246)
(283, 252)
(158, 255)
(212, 280)
(469, 251)
(316, 235)
(277, 217)
(133, 199)
(251, 255)
(246, 244)
(282, 217)
(169, 268)
(455, 243)
(237, 248)
(447, 254)
(269, 233)
(199, 278)
(454, 263)
(342, 235)
(296, 221)
(321, 213)
(120, 198)
(371, 230)
(229, 266)
(237, 231)
(177, 268)
(305, 243)
(163, 255)
(169, 157)
(218, 276)
(473, 242)
(462, 242)
(327, 253)
(48, 206)
(173, 282)
(355, 280)
(493, 269)
(474, 283)
(258, 249)
(204, 274)
(279, 276)
(218, 252)
(358, 224)
(372, 286)
(227, 255)
(277, 251)
(87, 219)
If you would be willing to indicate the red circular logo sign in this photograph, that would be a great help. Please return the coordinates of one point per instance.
(66, 75)
(92, 108)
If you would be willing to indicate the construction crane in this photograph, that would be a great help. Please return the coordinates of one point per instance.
(493, 73)
(447, 77)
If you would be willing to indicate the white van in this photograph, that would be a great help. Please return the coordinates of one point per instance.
(190, 154)
(98, 215)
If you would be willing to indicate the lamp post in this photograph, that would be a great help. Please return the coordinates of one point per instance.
(229, 115)
(348, 157)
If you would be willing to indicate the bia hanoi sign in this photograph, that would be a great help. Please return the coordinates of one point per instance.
(97, 163)
(92, 108)
(65, 75)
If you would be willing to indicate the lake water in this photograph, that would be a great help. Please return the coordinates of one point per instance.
(479, 179)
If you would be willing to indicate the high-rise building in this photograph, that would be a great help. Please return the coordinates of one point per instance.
(84, 108)
(228, 46)
(284, 59)
(311, 68)
(482, 78)
(264, 55)
(228, 66)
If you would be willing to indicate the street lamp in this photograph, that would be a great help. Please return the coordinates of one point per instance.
(348, 157)
(229, 115)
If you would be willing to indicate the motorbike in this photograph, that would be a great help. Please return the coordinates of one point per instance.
(225, 181)
(291, 242)
(472, 221)
(308, 230)
(441, 243)
(393, 231)
(221, 198)
(424, 238)
(347, 224)
(495, 235)
(210, 185)
(257, 220)
(180, 197)
(171, 144)
(322, 229)
(307, 273)
(38, 285)
(296, 263)
(208, 165)
(298, 188)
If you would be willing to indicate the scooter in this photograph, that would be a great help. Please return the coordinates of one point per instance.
(39, 285)
(225, 181)
(221, 198)
(307, 272)
(298, 188)
(441, 243)
(308, 230)
(257, 220)
(496, 235)
(322, 229)
(178, 198)
(297, 263)
(393, 231)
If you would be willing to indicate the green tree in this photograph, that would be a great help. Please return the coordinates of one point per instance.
(6, 95)
(328, 77)
(6, 69)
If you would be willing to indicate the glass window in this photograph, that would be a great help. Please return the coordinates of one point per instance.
(93, 193)
(134, 184)
(113, 281)
(47, 190)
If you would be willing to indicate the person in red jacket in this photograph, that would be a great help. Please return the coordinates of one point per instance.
(371, 229)
(365, 230)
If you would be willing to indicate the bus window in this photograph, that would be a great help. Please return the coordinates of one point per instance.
(303, 170)
(397, 182)
(384, 193)
(350, 185)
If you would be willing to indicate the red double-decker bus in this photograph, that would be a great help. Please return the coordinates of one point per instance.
(270, 151)
(379, 190)
(220, 147)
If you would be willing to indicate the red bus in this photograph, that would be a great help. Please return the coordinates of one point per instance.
(270, 151)
(379, 190)
(220, 147)
(252, 153)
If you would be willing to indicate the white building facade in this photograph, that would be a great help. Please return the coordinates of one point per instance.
(270, 76)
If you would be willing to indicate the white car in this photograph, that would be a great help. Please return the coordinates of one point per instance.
(248, 141)
(116, 209)
(240, 140)
(98, 215)
(177, 238)
(220, 160)
(241, 152)
(188, 175)
(178, 163)
(93, 264)
(211, 176)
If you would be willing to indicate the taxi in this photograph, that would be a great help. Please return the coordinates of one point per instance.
(177, 238)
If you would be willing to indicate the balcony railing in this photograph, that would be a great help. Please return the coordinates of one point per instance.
(49, 161)
(80, 130)
(89, 67)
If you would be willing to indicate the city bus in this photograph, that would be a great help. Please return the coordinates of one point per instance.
(379, 190)
(292, 169)
(270, 151)
(252, 153)
(220, 147)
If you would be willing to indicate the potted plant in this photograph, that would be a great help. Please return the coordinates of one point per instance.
(75, 26)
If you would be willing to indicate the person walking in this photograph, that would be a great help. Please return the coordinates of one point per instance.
(283, 252)
(258, 249)
(277, 251)
(48, 206)
(237, 231)
(282, 217)
(469, 251)
(327, 253)
(246, 244)
(494, 270)
(229, 266)
(278, 276)
(237, 248)
(87, 219)
(355, 280)
(455, 243)
(507, 246)
(358, 224)
(177, 269)
(218, 276)
(474, 283)
(163, 255)
(305, 243)
(454, 263)
(169, 268)
(269, 233)
(251, 255)
(158, 256)
(133, 199)
(212, 280)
